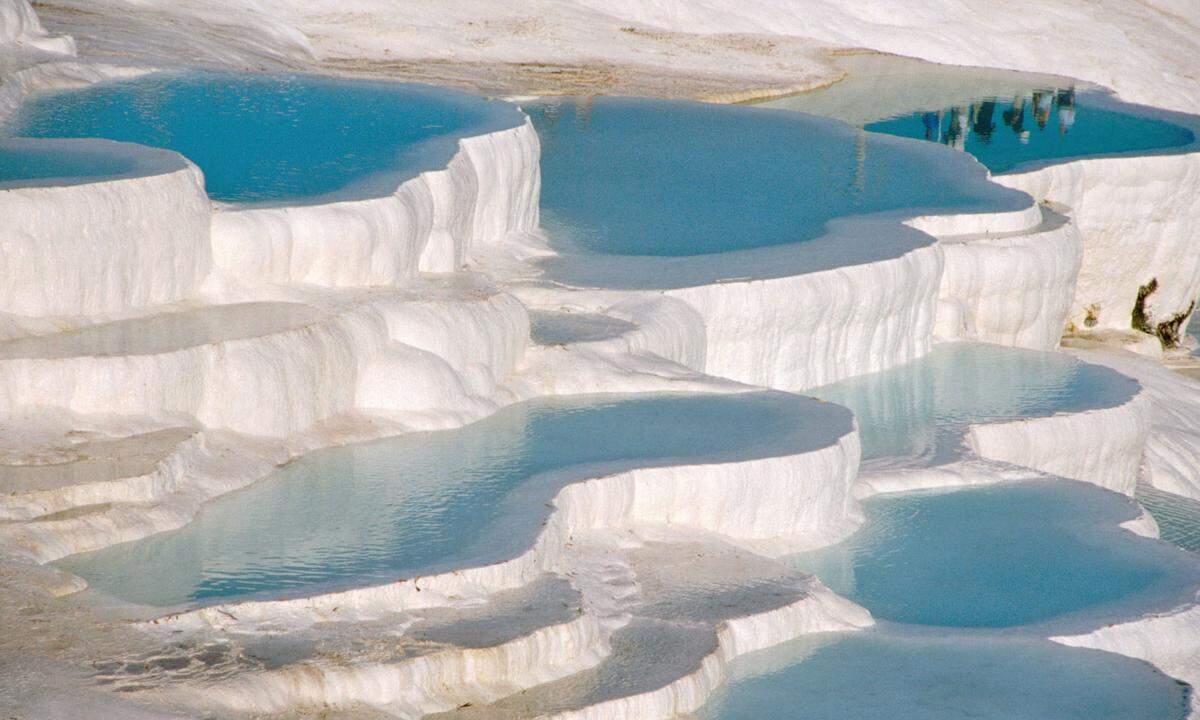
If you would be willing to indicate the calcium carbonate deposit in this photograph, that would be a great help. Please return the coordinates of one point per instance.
(483, 360)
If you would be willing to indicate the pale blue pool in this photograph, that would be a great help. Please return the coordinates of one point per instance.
(274, 138)
(1040, 126)
(1002, 556)
(638, 177)
(880, 674)
(919, 411)
(432, 502)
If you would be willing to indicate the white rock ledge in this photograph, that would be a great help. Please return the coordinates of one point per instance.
(1173, 446)
(426, 684)
(820, 611)
(800, 316)
(1171, 642)
(104, 244)
(1010, 289)
(429, 359)
(1136, 214)
(489, 189)
(20, 27)
(309, 372)
(1103, 446)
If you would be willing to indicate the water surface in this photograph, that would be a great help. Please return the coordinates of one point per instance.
(873, 674)
(430, 502)
(1042, 125)
(165, 332)
(25, 164)
(639, 177)
(917, 413)
(274, 137)
(1006, 119)
(1178, 517)
(1003, 556)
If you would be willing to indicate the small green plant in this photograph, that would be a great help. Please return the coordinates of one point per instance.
(1091, 315)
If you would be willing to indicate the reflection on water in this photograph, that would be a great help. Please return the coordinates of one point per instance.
(952, 127)
(1041, 124)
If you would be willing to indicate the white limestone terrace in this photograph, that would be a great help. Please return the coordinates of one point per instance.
(1134, 214)
(1131, 210)
(853, 257)
(426, 222)
(21, 29)
(334, 355)
(1113, 200)
(534, 47)
(1096, 272)
(128, 228)
(1175, 420)
(930, 423)
(638, 599)
(730, 47)
(432, 353)
(810, 459)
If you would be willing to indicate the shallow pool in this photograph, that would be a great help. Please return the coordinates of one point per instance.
(876, 674)
(431, 502)
(917, 413)
(1002, 556)
(639, 177)
(564, 328)
(165, 332)
(274, 137)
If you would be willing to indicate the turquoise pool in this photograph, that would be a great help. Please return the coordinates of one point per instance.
(274, 138)
(1003, 556)
(884, 674)
(433, 502)
(919, 411)
(638, 177)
